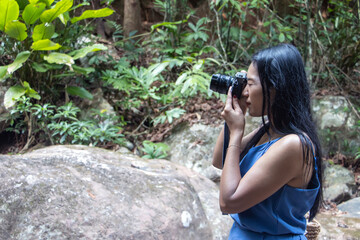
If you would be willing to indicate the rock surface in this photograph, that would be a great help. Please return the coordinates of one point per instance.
(339, 183)
(77, 192)
(351, 208)
(336, 122)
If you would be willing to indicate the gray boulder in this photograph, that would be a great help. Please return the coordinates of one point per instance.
(351, 207)
(336, 122)
(339, 183)
(78, 192)
(193, 146)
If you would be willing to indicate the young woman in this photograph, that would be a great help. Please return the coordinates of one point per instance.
(272, 177)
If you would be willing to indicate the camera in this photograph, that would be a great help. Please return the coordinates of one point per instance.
(221, 83)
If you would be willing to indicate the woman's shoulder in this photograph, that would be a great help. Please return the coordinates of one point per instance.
(288, 146)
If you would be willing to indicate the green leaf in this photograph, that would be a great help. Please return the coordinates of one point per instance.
(45, 45)
(83, 51)
(47, 2)
(104, 12)
(13, 94)
(9, 12)
(79, 91)
(44, 67)
(169, 25)
(19, 60)
(59, 58)
(281, 37)
(43, 31)
(64, 18)
(60, 8)
(267, 23)
(82, 70)
(3, 71)
(32, 12)
(6, 71)
(16, 29)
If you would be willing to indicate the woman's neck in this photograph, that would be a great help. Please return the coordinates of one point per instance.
(269, 136)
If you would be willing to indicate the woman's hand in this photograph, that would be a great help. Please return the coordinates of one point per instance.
(234, 113)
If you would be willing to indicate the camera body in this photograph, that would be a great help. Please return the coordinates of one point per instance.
(221, 83)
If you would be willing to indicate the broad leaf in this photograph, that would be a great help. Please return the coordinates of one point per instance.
(45, 45)
(79, 91)
(12, 94)
(43, 31)
(59, 58)
(3, 70)
(104, 12)
(32, 12)
(19, 60)
(82, 70)
(9, 12)
(281, 37)
(44, 67)
(47, 2)
(64, 18)
(16, 29)
(83, 51)
(6, 71)
(60, 8)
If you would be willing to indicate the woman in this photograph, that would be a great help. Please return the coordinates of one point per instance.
(277, 178)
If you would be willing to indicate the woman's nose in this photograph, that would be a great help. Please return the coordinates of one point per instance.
(245, 92)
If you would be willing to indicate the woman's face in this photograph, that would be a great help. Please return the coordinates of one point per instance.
(253, 92)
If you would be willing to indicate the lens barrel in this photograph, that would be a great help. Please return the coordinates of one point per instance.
(221, 83)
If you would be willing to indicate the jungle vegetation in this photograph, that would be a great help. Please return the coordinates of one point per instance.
(149, 59)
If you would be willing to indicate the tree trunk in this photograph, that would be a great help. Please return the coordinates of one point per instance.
(132, 17)
(282, 7)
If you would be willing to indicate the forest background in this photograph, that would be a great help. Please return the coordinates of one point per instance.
(152, 61)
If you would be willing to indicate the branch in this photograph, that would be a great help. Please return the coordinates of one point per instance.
(347, 99)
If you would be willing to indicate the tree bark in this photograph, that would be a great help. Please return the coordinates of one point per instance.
(132, 17)
(282, 7)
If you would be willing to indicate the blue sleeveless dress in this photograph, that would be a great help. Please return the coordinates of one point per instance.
(281, 216)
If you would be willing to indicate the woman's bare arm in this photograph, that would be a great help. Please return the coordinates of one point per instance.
(217, 155)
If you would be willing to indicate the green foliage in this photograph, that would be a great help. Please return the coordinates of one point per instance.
(154, 150)
(193, 80)
(62, 126)
(34, 36)
(169, 116)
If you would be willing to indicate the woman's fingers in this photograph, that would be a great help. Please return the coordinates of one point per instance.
(236, 104)
(229, 102)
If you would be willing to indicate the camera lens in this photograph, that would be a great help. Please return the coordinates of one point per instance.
(221, 83)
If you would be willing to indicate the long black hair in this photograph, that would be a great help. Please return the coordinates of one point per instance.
(282, 68)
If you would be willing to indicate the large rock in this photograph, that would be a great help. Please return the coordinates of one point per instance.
(351, 207)
(193, 146)
(339, 183)
(336, 122)
(77, 192)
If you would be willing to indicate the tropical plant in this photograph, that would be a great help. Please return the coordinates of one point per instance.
(36, 35)
(60, 125)
(154, 150)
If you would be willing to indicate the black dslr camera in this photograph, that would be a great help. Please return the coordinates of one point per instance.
(221, 83)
